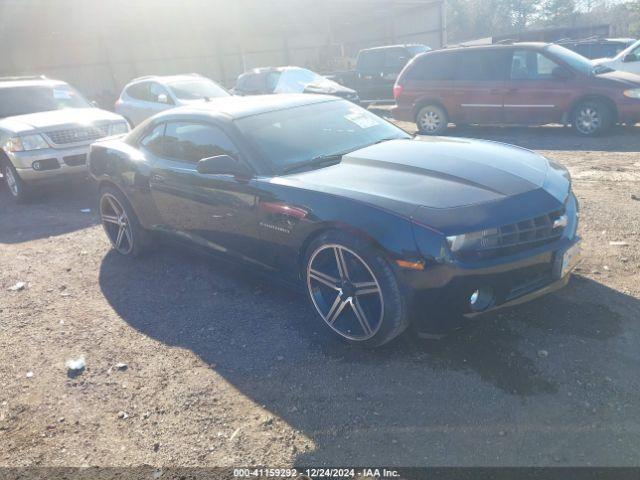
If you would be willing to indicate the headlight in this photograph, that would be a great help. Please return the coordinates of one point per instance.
(633, 93)
(26, 143)
(468, 241)
(119, 128)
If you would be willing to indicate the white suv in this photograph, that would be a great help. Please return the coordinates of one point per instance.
(627, 60)
(46, 128)
(146, 96)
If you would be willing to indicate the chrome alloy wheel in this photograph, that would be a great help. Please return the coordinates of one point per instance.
(430, 121)
(12, 183)
(116, 224)
(589, 120)
(345, 292)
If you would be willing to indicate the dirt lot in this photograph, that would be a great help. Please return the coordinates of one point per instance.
(228, 369)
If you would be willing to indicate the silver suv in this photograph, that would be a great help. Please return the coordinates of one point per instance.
(46, 128)
(146, 96)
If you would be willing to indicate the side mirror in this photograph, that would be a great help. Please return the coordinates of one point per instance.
(223, 165)
(162, 98)
(560, 73)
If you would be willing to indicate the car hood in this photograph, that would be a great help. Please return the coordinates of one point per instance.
(436, 174)
(326, 86)
(58, 118)
(621, 77)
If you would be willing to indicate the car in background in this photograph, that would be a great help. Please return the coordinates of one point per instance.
(377, 70)
(46, 127)
(593, 48)
(627, 60)
(378, 227)
(518, 84)
(267, 80)
(146, 96)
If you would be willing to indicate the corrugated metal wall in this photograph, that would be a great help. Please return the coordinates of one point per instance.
(101, 45)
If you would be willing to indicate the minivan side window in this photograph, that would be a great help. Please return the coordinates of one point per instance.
(191, 142)
(372, 60)
(480, 65)
(435, 66)
(531, 65)
(395, 59)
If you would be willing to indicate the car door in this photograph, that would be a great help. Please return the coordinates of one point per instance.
(369, 74)
(538, 90)
(478, 86)
(217, 211)
(133, 108)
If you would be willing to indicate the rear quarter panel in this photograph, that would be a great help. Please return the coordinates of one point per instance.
(113, 162)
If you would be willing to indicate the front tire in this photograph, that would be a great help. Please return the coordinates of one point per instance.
(120, 223)
(592, 118)
(18, 189)
(432, 120)
(354, 290)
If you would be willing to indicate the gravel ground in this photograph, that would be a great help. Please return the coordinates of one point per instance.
(225, 368)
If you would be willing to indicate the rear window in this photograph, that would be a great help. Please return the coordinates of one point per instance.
(481, 65)
(437, 66)
(371, 60)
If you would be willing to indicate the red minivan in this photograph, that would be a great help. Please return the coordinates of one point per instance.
(519, 84)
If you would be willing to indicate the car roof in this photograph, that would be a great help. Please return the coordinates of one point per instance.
(532, 45)
(402, 45)
(34, 82)
(274, 69)
(236, 107)
(167, 79)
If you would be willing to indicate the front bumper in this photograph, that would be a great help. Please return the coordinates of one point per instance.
(55, 164)
(441, 293)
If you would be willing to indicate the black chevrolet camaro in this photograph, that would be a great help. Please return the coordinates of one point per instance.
(379, 227)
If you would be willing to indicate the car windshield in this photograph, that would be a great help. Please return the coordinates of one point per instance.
(295, 80)
(573, 59)
(197, 89)
(39, 98)
(290, 137)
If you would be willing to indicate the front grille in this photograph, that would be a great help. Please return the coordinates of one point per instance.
(76, 160)
(517, 237)
(78, 135)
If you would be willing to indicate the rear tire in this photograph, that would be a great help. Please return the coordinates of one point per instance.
(121, 224)
(19, 191)
(432, 120)
(365, 305)
(592, 118)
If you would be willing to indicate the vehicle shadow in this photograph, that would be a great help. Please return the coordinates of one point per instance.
(267, 343)
(547, 137)
(55, 210)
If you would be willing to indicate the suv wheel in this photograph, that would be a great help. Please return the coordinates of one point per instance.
(432, 120)
(591, 118)
(354, 290)
(18, 189)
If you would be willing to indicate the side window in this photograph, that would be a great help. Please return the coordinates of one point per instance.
(480, 65)
(372, 60)
(432, 67)
(139, 91)
(395, 59)
(633, 55)
(159, 94)
(272, 81)
(530, 65)
(250, 82)
(191, 142)
(153, 140)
